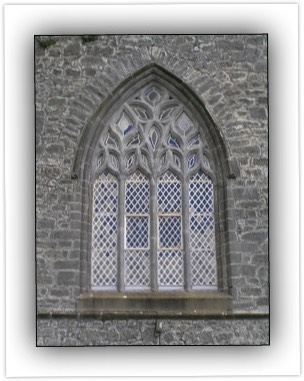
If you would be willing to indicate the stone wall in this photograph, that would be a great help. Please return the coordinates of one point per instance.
(73, 76)
(98, 332)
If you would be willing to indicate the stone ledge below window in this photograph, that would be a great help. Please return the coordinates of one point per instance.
(156, 304)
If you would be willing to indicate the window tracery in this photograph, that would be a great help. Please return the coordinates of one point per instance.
(153, 224)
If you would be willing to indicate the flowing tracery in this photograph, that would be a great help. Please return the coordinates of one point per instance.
(153, 224)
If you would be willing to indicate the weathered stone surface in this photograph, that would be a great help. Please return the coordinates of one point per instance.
(95, 332)
(229, 75)
(66, 277)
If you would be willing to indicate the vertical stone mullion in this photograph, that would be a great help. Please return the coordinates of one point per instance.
(153, 236)
(121, 235)
(186, 233)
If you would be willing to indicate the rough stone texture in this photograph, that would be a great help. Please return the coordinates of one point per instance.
(72, 79)
(97, 332)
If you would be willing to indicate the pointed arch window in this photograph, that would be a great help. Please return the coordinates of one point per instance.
(153, 199)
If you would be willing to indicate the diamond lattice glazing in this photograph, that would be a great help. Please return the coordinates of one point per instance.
(104, 268)
(170, 261)
(170, 268)
(104, 231)
(201, 234)
(169, 194)
(137, 232)
(203, 266)
(137, 194)
(201, 194)
(169, 232)
(137, 262)
(105, 192)
(137, 268)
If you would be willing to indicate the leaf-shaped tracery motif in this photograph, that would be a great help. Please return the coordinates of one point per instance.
(153, 144)
(134, 141)
(153, 120)
(131, 160)
(184, 123)
(167, 111)
(177, 160)
(114, 161)
(194, 141)
(144, 160)
(152, 95)
(172, 142)
(192, 160)
(124, 123)
(110, 141)
(141, 112)
(154, 137)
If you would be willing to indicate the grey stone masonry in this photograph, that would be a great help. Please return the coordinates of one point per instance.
(75, 76)
(99, 332)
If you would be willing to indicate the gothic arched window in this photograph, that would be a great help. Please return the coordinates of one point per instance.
(153, 198)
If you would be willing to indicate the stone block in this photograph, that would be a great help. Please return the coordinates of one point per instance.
(64, 235)
(255, 236)
(73, 49)
(66, 265)
(72, 73)
(66, 277)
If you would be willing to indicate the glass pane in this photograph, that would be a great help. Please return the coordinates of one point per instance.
(105, 196)
(203, 267)
(137, 268)
(170, 268)
(137, 194)
(104, 264)
(168, 194)
(104, 231)
(169, 231)
(202, 232)
(137, 232)
(201, 194)
(202, 236)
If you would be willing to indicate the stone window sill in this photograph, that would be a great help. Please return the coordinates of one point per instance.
(156, 304)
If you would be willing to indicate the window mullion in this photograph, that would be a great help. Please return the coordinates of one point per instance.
(121, 236)
(186, 235)
(153, 235)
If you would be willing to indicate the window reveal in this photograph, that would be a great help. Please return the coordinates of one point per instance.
(153, 221)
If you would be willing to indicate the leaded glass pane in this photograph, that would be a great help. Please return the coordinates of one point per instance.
(203, 267)
(202, 236)
(169, 232)
(169, 194)
(170, 268)
(104, 268)
(201, 194)
(137, 194)
(169, 207)
(137, 232)
(137, 268)
(137, 206)
(104, 231)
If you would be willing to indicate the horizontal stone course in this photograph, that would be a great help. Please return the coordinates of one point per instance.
(96, 332)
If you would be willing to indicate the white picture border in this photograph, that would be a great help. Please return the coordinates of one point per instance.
(22, 22)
